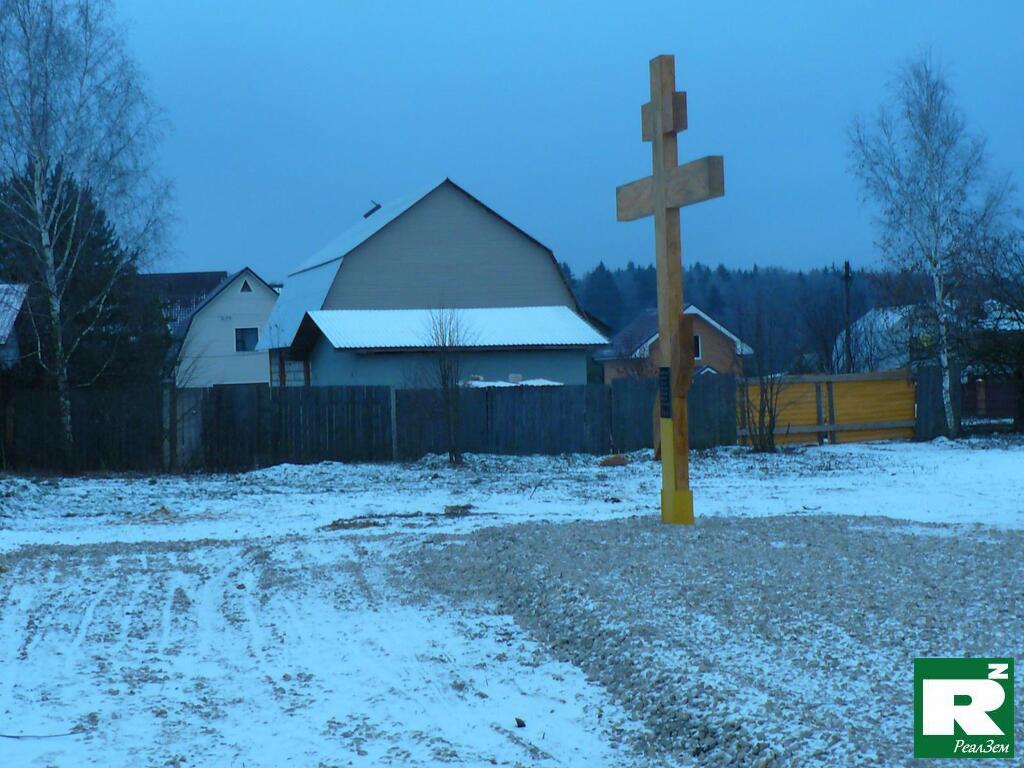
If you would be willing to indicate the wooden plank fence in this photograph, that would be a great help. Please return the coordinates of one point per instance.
(931, 419)
(247, 426)
(519, 420)
(842, 408)
(113, 429)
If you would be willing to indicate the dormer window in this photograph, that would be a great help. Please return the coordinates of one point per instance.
(246, 288)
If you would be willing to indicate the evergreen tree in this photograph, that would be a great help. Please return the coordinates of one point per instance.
(113, 332)
(570, 278)
(601, 296)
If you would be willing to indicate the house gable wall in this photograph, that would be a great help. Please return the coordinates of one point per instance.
(208, 355)
(718, 351)
(448, 251)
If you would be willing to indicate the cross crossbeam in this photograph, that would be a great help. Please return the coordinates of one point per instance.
(694, 182)
(661, 195)
(676, 118)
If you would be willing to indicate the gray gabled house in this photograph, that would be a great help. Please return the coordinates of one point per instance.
(361, 310)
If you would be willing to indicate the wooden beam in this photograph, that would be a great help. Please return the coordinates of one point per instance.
(901, 374)
(678, 117)
(677, 498)
(694, 182)
(860, 427)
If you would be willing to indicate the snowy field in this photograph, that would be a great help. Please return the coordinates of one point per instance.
(333, 615)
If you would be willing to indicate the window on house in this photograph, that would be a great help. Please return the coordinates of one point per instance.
(696, 347)
(246, 288)
(246, 339)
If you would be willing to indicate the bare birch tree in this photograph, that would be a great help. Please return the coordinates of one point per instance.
(76, 136)
(448, 336)
(927, 175)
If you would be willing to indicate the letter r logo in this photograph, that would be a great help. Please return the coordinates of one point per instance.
(942, 710)
(963, 708)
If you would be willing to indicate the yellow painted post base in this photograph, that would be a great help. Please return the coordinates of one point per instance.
(677, 506)
(676, 503)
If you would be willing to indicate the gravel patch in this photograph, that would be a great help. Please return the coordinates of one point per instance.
(749, 642)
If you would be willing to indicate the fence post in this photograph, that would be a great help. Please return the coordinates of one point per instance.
(6, 425)
(168, 418)
(393, 406)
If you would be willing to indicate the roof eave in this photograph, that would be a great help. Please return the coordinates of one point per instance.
(483, 348)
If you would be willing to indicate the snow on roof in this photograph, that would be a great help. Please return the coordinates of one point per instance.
(307, 287)
(999, 317)
(742, 348)
(12, 295)
(480, 327)
(301, 292)
(636, 338)
(480, 384)
(179, 293)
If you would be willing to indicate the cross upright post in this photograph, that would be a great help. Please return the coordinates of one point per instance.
(669, 187)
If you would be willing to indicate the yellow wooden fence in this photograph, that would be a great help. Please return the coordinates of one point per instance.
(834, 408)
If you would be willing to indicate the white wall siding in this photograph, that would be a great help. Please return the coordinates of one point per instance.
(208, 353)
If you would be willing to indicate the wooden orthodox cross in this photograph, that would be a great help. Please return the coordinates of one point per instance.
(662, 194)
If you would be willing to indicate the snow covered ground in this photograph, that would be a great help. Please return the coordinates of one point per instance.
(259, 619)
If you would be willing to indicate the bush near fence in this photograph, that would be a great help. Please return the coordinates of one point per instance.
(839, 408)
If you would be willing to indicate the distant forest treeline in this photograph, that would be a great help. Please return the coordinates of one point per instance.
(794, 316)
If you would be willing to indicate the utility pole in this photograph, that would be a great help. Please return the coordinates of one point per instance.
(847, 279)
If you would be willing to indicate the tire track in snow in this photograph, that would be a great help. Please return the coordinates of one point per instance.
(34, 627)
(213, 629)
(83, 628)
(167, 586)
(14, 618)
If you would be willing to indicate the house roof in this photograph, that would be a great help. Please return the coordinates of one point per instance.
(306, 288)
(181, 330)
(481, 384)
(997, 316)
(179, 293)
(636, 338)
(12, 296)
(480, 328)
(363, 230)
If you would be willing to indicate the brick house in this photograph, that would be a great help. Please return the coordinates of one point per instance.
(634, 351)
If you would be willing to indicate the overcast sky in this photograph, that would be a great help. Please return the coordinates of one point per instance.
(287, 118)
